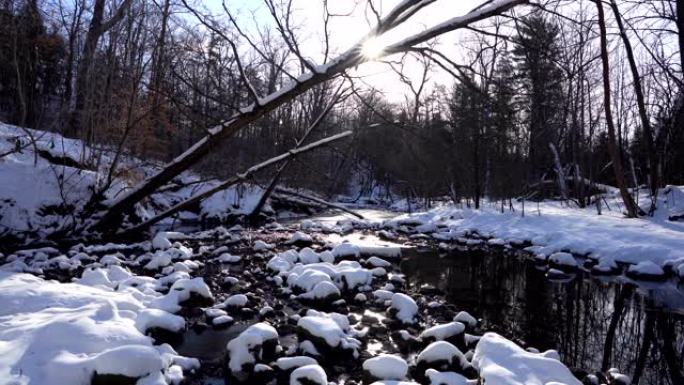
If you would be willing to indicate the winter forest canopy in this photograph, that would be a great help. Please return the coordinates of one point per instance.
(491, 110)
(169, 167)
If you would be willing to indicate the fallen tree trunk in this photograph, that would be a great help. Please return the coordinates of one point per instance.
(285, 191)
(113, 215)
(281, 169)
(229, 182)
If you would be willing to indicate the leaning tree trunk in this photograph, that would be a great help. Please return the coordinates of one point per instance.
(230, 182)
(111, 218)
(613, 149)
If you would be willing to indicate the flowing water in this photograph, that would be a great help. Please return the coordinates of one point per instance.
(593, 322)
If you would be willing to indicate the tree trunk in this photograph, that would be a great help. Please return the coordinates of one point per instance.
(231, 181)
(98, 27)
(613, 149)
(653, 176)
(112, 217)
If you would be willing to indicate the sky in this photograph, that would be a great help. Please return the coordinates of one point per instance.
(347, 30)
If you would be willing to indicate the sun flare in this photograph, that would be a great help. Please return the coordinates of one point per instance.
(372, 48)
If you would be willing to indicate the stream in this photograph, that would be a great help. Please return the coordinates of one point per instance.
(595, 323)
(578, 316)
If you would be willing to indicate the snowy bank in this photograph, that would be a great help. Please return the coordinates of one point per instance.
(52, 333)
(554, 229)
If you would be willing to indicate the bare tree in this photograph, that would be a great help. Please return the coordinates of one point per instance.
(615, 155)
(316, 75)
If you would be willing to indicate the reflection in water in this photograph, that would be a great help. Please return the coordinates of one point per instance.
(593, 323)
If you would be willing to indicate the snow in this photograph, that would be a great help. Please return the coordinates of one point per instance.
(244, 349)
(563, 259)
(300, 237)
(323, 327)
(346, 250)
(63, 333)
(502, 362)
(330, 328)
(386, 367)
(234, 200)
(322, 290)
(287, 363)
(559, 228)
(236, 300)
(439, 351)
(262, 246)
(381, 295)
(229, 258)
(445, 378)
(378, 262)
(406, 308)
(162, 240)
(646, 268)
(155, 318)
(309, 375)
(222, 320)
(465, 318)
(443, 332)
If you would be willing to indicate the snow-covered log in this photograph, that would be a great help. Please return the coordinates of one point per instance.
(112, 216)
(233, 180)
(318, 200)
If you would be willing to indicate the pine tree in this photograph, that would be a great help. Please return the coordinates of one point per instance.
(536, 55)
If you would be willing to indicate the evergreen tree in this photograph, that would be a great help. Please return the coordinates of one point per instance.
(536, 55)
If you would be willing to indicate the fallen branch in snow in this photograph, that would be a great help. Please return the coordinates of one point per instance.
(318, 200)
(231, 181)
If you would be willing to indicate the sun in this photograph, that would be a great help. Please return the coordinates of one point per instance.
(372, 48)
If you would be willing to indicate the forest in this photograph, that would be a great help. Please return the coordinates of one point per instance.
(341, 191)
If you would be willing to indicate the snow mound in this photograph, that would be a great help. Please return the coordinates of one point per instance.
(386, 367)
(309, 375)
(443, 332)
(253, 345)
(64, 333)
(404, 308)
(445, 378)
(502, 362)
(327, 333)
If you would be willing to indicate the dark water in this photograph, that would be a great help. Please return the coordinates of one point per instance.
(594, 323)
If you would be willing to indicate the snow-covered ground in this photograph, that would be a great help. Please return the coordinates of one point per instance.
(54, 333)
(44, 186)
(552, 227)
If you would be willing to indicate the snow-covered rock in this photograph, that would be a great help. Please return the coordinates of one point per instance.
(256, 344)
(386, 367)
(260, 245)
(229, 258)
(453, 332)
(327, 334)
(445, 378)
(646, 270)
(309, 375)
(563, 261)
(465, 318)
(500, 361)
(446, 357)
(403, 308)
(300, 239)
(159, 319)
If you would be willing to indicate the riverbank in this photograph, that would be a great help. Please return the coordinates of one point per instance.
(657, 243)
(183, 299)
